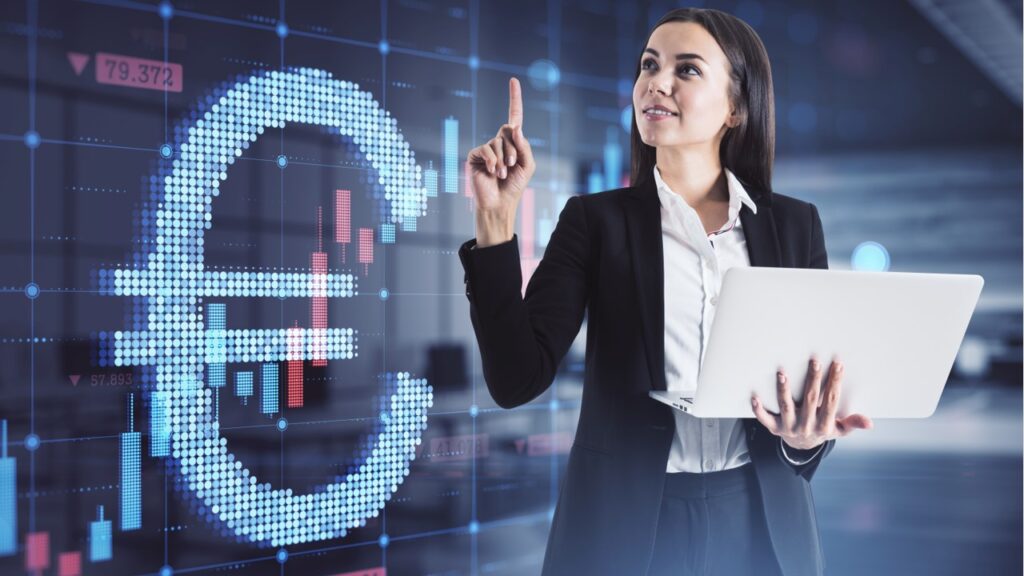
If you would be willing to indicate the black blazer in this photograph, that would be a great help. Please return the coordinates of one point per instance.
(605, 258)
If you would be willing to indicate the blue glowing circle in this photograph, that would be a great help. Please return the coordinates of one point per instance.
(384, 540)
(627, 119)
(281, 29)
(282, 556)
(31, 442)
(474, 527)
(384, 47)
(474, 411)
(32, 139)
(282, 424)
(870, 256)
(544, 74)
(384, 294)
(282, 161)
(166, 10)
(32, 290)
(166, 571)
(166, 151)
(474, 62)
(170, 282)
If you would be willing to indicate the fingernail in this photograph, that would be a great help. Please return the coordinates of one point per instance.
(754, 401)
(504, 172)
(781, 377)
(814, 364)
(839, 368)
(511, 161)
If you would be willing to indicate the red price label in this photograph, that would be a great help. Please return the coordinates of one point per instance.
(138, 72)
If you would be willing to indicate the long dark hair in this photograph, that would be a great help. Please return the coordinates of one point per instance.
(748, 150)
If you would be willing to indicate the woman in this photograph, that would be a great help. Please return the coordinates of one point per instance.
(651, 490)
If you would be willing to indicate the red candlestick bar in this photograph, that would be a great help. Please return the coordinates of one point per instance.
(319, 308)
(366, 248)
(342, 219)
(295, 395)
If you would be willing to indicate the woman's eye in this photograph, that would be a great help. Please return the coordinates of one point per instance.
(643, 65)
(682, 69)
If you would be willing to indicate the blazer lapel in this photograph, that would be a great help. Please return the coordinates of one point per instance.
(643, 221)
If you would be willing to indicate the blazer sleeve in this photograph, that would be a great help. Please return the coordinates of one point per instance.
(522, 340)
(818, 258)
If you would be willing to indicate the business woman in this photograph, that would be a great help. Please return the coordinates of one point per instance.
(651, 490)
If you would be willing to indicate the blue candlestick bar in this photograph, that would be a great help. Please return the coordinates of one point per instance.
(243, 385)
(430, 180)
(451, 155)
(100, 538)
(268, 382)
(8, 498)
(131, 473)
(216, 344)
(160, 439)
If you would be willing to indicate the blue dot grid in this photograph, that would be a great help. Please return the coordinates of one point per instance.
(167, 281)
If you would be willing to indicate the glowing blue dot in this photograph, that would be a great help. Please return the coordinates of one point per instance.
(166, 571)
(282, 30)
(870, 256)
(282, 161)
(31, 442)
(474, 62)
(282, 556)
(385, 417)
(384, 47)
(32, 290)
(165, 150)
(166, 10)
(544, 74)
(625, 87)
(282, 424)
(553, 405)
(474, 527)
(627, 118)
(383, 541)
(384, 293)
(474, 410)
(32, 139)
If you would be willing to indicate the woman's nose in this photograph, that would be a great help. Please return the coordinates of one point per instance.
(658, 86)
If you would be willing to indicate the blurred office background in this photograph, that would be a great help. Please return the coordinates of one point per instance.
(900, 120)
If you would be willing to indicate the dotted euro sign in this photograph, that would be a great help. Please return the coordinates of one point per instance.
(168, 280)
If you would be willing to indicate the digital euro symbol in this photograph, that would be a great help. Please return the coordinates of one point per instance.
(167, 283)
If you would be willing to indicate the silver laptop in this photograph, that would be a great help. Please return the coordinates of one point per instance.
(897, 334)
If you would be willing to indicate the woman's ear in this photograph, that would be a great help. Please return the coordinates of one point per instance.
(734, 120)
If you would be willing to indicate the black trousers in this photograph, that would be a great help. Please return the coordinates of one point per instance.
(712, 524)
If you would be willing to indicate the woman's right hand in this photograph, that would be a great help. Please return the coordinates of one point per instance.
(501, 170)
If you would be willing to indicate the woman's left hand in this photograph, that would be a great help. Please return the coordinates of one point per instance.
(807, 424)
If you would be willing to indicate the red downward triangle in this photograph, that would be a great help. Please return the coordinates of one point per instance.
(78, 61)
(520, 444)
(74, 378)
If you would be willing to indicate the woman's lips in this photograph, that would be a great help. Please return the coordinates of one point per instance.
(658, 117)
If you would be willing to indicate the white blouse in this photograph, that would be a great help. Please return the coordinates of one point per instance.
(694, 265)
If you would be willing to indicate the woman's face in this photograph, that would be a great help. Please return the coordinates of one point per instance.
(685, 71)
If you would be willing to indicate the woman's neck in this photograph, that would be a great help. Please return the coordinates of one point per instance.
(698, 178)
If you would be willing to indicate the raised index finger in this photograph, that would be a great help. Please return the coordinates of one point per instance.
(515, 103)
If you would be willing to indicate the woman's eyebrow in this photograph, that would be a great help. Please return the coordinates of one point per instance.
(683, 56)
